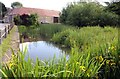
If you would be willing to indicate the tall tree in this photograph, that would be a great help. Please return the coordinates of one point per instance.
(16, 5)
(114, 6)
(3, 10)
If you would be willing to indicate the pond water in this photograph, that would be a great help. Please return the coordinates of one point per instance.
(43, 50)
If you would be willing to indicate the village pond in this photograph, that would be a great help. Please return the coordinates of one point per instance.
(43, 50)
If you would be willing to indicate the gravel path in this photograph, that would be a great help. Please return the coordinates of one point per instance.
(14, 45)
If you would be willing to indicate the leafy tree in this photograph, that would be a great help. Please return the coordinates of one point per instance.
(65, 13)
(87, 14)
(3, 10)
(16, 5)
(34, 19)
(17, 20)
(114, 6)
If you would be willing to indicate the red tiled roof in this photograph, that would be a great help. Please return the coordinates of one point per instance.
(40, 12)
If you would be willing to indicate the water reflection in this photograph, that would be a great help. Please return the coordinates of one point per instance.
(43, 50)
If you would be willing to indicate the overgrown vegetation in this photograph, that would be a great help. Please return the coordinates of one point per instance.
(86, 36)
(43, 31)
(100, 42)
(79, 65)
(94, 53)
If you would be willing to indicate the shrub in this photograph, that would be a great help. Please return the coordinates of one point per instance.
(26, 19)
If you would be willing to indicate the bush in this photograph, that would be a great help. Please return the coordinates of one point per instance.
(87, 14)
(26, 19)
(17, 20)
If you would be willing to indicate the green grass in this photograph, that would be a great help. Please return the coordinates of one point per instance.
(6, 43)
(43, 31)
(95, 53)
(87, 37)
(79, 65)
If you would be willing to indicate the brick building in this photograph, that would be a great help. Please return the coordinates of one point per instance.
(44, 16)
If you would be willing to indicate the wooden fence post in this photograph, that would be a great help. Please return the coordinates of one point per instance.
(5, 32)
(8, 29)
(0, 37)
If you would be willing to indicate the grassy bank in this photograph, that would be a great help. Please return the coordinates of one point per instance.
(87, 37)
(6, 43)
(95, 53)
(43, 31)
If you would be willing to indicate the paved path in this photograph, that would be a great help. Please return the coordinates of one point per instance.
(14, 45)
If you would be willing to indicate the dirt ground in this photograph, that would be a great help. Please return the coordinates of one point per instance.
(14, 46)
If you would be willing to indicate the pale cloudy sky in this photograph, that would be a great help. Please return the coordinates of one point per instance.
(44, 4)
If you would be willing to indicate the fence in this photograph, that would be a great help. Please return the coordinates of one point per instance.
(4, 31)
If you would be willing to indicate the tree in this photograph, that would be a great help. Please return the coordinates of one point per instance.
(87, 14)
(3, 10)
(16, 5)
(114, 6)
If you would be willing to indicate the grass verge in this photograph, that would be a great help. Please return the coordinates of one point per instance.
(6, 42)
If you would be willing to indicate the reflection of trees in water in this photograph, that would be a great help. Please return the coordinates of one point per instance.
(63, 49)
(35, 43)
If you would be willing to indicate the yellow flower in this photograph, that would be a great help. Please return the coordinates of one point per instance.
(112, 47)
(10, 65)
(108, 61)
(82, 68)
(97, 57)
(112, 64)
(66, 64)
(109, 48)
(88, 74)
(77, 63)
(100, 58)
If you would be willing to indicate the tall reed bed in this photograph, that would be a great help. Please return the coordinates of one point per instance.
(42, 31)
(102, 43)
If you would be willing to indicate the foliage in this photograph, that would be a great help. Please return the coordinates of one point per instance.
(87, 14)
(95, 53)
(79, 65)
(114, 6)
(26, 19)
(17, 20)
(16, 5)
(102, 43)
(43, 31)
(3, 10)
(86, 36)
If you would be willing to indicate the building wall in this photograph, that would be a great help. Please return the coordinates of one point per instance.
(9, 18)
(45, 19)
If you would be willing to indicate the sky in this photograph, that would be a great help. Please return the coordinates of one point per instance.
(44, 4)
